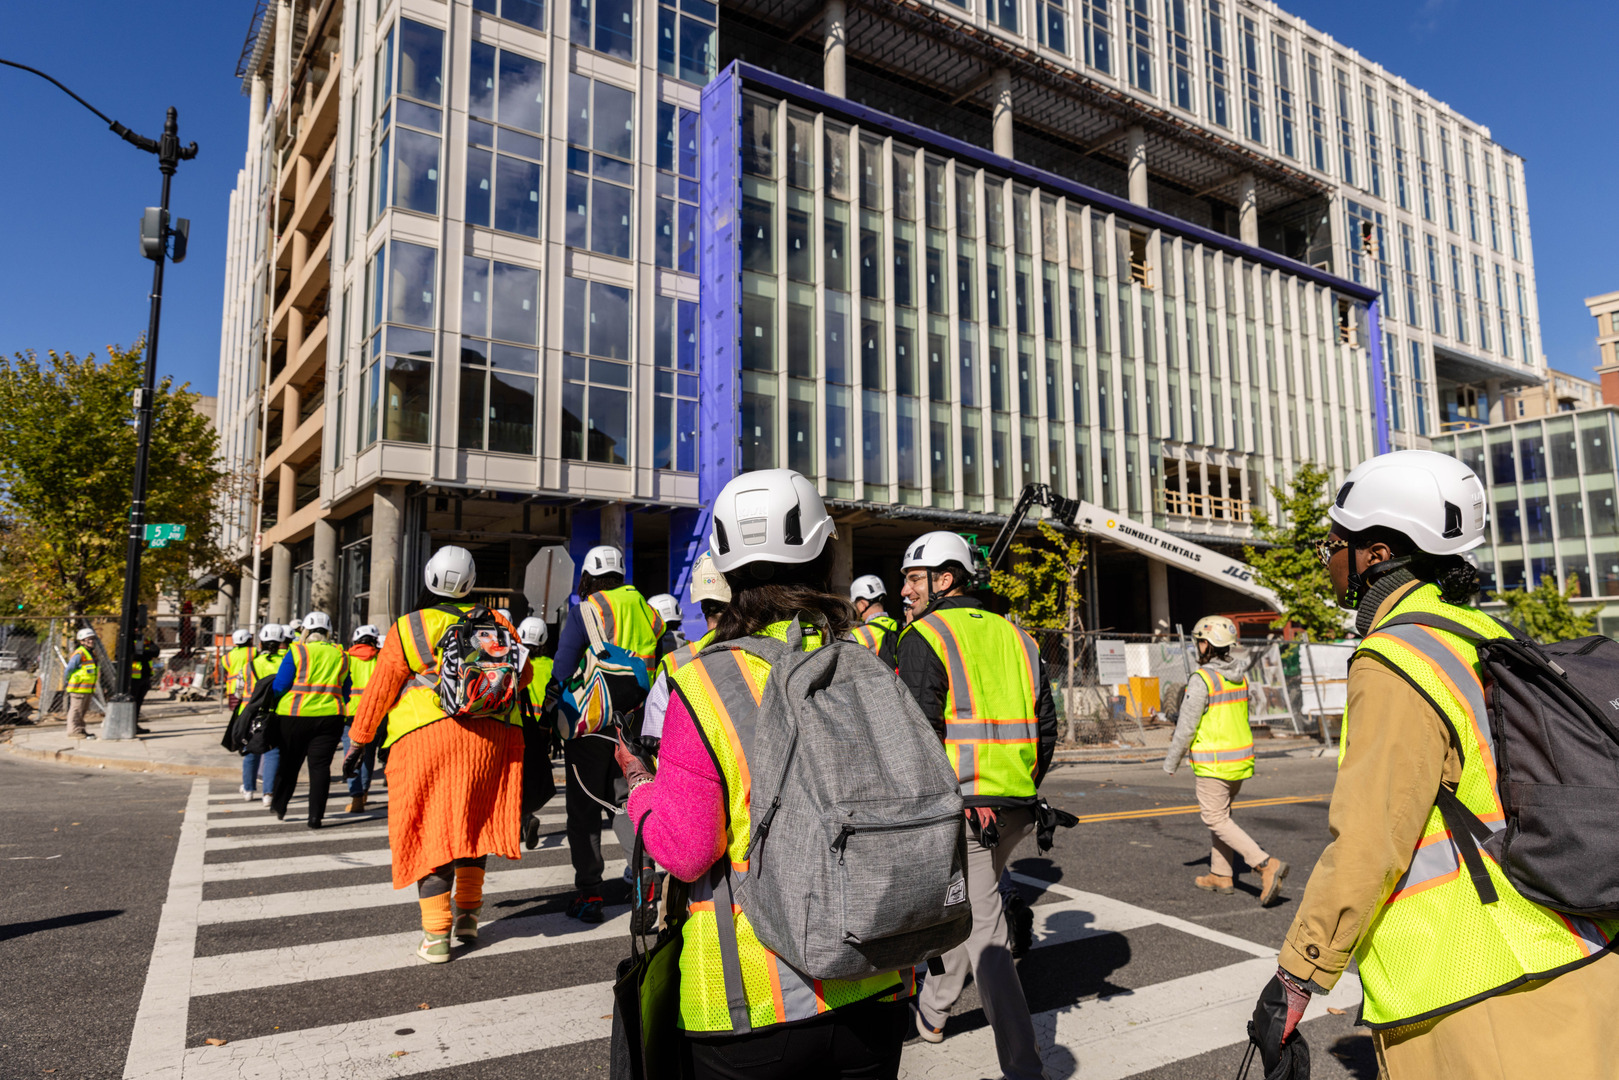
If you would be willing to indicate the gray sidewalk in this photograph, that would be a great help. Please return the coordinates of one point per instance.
(184, 741)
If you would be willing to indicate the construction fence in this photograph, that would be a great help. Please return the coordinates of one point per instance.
(1125, 689)
(34, 654)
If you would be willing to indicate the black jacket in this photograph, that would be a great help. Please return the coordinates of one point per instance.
(924, 674)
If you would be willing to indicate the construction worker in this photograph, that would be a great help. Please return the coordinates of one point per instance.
(609, 613)
(311, 689)
(263, 665)
(1213, 722)
(745, 1011)
(141, 669)
(1457, 985)
(878, 630)
(363, 649)
(295, 630)
(668, 606)
(539, 733)
(454, 786)
(82, 673)
(979, 679)
(241, 651)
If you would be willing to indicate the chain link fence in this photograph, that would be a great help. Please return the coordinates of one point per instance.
(1125, 689)
(187, 660)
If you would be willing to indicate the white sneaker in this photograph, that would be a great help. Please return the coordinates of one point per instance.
(266, 800)
(247, 796)
(927, 1031)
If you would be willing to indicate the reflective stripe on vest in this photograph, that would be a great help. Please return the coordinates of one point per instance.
(991, 733)
(682, 656)
(418, 702)
(264, 665)
(628, 621)
(730, 982)
(317, 682)
(1408, 957)
(874, 631)
(236, 662)
(1224, 744)
(83, 679)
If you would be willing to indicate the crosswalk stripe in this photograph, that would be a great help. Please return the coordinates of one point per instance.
(231, 972)
(440, 1038)
(287, 905)
(308, 836)
(1116, 913)
(339, 860)
(262, 818)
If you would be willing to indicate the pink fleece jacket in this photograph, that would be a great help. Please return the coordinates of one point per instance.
(686, 831)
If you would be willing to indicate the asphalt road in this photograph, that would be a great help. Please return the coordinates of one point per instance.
(290, 946)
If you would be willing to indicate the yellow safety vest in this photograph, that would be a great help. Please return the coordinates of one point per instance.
(235, 666)
(360, 672)
(418, 705)
(991, 733)
(264, 665)
(1434, 945)
(719, 687)
(137, 669)
(83, 679)
(626, 620)
(317, 682)
(538, 681)
(682, 656)
(874, 631)
(1224, 744)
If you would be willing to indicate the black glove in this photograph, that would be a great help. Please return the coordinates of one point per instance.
(1047, 820)
(1282, 1050)
(351, 761)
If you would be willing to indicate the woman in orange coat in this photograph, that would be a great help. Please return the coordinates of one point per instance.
(454, 786)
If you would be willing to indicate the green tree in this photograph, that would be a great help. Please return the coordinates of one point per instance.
(67, 460)
(1043, 587)
(1289, 567)
(1544, 612)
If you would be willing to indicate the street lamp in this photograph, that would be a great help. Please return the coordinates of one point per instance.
(156, 235)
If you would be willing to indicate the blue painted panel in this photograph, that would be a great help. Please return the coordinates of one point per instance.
(584, 533)
(1379, 377)
(688, 538)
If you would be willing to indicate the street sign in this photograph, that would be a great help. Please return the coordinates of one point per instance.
(547, 581)
(161, 535)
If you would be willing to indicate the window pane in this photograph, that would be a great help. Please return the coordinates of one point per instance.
(609, 321)
(511, 358)
(573, 424)
(873, 437)
(475, 297)
(576, 214)
(511, 413)
(529, 13)
(481, 81)
(411, 284)
(416, 172)
(472, 409)
(407, 409)
(615, 28)
(522, 92)
(421, 61)
(516, 313)
(479, 163)
(758, 422)
(972, 482)
(697, 52)
(801, 426)
(667, 22)
(686, 447)
(517, 196)
(614, 127)
(837, 337)
(610, 219)
(609, 425)
(687, 247)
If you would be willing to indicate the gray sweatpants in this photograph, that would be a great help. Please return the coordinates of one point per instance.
(988, 955)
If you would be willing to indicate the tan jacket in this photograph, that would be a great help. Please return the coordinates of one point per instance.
(1397, 749)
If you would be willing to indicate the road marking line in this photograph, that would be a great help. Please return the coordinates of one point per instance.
(440, 1038)
(157, 1045)
(1109, 912)
(1240, 804)
(311, 836)
(339, 860)
(289, 905)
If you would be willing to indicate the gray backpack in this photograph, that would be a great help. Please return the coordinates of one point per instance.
(857, 857)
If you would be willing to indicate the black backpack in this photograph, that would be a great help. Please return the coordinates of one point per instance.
(1554, 719)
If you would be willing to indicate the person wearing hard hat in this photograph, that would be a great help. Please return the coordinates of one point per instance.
(668, 606)
(1462, 980)
(241, 651)
(610, 612)
(263, 664)
(81, 675)
(1213, 723)
(980, 681)
(878, 630)
(539, 734)
(310, 692)
(454, 785)
(363, 649)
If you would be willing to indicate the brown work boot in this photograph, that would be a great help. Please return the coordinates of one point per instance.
(357, 804)
(1271, 873)
(1214, 883)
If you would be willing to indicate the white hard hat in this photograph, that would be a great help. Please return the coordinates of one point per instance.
(369, 630)
(272, 632)
(603, 559)
(84, 635)
(667, 606)
(318, 621)
(932, 550)
(867, 587)
(532, 631)
(1217, 630)
(772, 515)
(450, 572)
(242, 637)
(1434, 500)
(294, 626)
(707, 583)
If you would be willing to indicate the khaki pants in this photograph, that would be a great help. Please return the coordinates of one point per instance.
(78, 707)
(987, 953)
(1214, 800)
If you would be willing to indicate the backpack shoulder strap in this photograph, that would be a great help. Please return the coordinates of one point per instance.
(1449, 625)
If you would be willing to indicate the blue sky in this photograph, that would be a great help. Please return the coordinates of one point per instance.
(1538, 76)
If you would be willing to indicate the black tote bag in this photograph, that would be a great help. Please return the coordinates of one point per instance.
(646, 999)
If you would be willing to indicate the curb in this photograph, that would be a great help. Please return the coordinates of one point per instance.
(71, 759)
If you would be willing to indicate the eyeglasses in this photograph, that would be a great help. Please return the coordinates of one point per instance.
(1325, 549)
